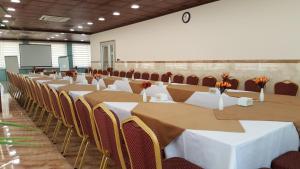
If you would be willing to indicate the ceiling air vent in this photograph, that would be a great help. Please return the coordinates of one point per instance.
(48, 18)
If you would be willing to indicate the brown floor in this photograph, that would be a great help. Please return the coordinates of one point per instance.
(42, 153)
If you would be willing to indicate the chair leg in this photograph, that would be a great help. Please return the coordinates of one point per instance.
(35, 113)
(67, 143)
(83, 155)
(105, 162)
(40, 119)
(83, 142)
(102, 161)
(33, 104)
(48, 122)
(56, 131)
(29, 105)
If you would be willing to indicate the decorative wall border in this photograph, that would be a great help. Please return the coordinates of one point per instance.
(214, 61)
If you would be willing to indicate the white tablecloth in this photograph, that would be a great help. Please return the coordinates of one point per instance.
(257, 147)
(56, 86)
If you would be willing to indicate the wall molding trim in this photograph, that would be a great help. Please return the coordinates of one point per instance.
(215, 61)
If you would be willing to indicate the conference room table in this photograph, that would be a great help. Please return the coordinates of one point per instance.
(195, 132)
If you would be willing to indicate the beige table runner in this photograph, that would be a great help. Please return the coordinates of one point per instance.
(266, 111)
(136, 85)
(288, 100)
(111, 80)
(42, 78)
(77, 87)
(168, 120)
(180, 93)
(111, 96)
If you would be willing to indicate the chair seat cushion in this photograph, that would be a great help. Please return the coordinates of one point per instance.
(178, 163)
(289, 160)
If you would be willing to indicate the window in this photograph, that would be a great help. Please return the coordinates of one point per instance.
(8, 48)
(81, 55)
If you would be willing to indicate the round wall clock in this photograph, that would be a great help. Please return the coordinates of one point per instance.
(186, 17)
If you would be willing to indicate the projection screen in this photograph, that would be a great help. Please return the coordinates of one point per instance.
(35, 55)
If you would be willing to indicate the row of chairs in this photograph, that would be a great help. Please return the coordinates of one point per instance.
(282, 88)
(97, 126)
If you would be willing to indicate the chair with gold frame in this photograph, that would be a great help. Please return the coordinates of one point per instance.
(89, 133)
(144, 150)
(108, 129)
(40, 102)
(68, 110)
(48, 106)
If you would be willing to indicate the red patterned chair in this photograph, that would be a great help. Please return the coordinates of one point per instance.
(116, 73)
(144, 150)
(145, 76)
(289, 160)
(108, 127)
(209, 81)
(192, 80)
(154, 77)
(251, 86)
(99, 71)
(165, 77)
(95, 71)
(137, 75)
(105, 72)
(129, 74)
(178, 78)
(122, 74)
(234, 83)
(286, 88)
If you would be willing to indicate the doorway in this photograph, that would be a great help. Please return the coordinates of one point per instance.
(107, 52)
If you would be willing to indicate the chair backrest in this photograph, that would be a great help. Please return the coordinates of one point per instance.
(286, 88)
(192, 80)
(95, 71)
(69, 112)
(178, 78)
(145, 76)
(122, 74)
(164, 78)
(142, 144)
(84, 111)
(46, 97)
(250, 85)
(105, 72)
(99, 71)
(56, 106)
(108, 128)
(209, 81)
(137, 75)
(116, 73)
(129, 74)
(234, 83)
(154, 77)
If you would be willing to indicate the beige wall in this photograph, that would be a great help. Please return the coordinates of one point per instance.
(223, 30)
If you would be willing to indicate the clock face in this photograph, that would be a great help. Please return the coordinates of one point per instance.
(186, 17)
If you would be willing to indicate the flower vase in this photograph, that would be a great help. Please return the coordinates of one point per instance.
(170, 81)
(221, 103)
(98, 85)
(262, 95)
(144, 96)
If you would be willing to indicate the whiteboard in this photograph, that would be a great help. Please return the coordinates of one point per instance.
(63, 62)
(35, 55)
(12, 64)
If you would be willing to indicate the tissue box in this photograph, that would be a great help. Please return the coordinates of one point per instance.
(245, 101)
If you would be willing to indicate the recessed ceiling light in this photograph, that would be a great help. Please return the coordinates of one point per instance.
(90, 23)
(15, 1)
(116, 13)
(65, 39)
(82, 40)
(7, 16)
(101, 19)
(71, 30)
(11, 9)
(62, 33)
(5, 21)
(83, 34)
(1, 32)
(48, 38)
(2, 25)
(79, 27)
(52, 37)
(57, 35)
(135, 6)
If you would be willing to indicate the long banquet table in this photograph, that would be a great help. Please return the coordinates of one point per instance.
(254, 147)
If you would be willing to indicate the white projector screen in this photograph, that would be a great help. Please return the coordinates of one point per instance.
(35, 55)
